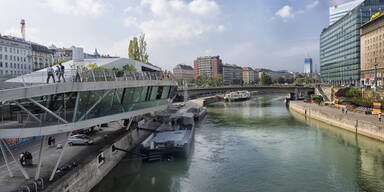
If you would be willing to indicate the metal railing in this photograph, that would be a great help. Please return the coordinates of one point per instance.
(73, 75)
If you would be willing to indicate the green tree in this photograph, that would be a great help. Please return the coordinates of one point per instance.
(137, 49)
(217, 81)
(128, 67)
(265, 79)
(143, 49)
(133, 49)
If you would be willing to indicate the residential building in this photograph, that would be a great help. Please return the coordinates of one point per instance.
(372, 51)
(232, 75)
(211, 66)
(15, 56)
(42, 57)
(249, 75)
(336, 12)
(340, 44)
(184, 72)
(308, 67)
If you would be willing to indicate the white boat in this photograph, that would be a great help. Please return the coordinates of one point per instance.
(237, 96)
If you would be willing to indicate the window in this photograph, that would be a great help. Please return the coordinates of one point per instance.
(6, 65)
(1, 64)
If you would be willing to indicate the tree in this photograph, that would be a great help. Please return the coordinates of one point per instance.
(143, 49)
(137, 49)
(217, 81)
(128, 67)
(266, 79)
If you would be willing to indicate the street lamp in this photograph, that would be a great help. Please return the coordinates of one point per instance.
(375, 74)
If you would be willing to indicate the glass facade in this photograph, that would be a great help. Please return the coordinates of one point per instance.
(85, 105)
(340, 44)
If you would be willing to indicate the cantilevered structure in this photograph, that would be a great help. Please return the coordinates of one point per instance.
(31, 107)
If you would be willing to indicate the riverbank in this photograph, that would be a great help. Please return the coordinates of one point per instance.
(367, 125)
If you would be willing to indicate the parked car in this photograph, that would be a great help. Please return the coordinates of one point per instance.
(80, 139)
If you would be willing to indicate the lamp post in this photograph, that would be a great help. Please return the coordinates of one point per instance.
(375, 74)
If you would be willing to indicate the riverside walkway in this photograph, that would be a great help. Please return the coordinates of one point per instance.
(368, 125)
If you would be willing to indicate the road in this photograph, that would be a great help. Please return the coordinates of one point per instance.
(75, 153)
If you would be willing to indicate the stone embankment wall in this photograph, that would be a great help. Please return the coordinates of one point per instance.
(372, 129)
(84, 177)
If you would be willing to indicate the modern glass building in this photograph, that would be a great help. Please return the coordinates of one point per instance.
(340, 44)
(308, 66)
(338, 11)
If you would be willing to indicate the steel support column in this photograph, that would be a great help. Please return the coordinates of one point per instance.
(129, 124)
(17, 162)
(6, 159)
(60, 157)
(27, 111)
(47, 110)
(40, 157)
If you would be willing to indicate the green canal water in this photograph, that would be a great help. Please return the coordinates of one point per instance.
(259, 145)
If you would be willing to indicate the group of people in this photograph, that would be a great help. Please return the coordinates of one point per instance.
(58, 72)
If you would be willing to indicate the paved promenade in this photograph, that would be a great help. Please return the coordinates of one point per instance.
(367, 125)
(74, 153)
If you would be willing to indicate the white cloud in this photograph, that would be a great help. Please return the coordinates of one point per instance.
(285, 12)
(221, 28)
(176, 20)
(313, 4)
(77, 7)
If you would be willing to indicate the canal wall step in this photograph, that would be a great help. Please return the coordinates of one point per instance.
(354, 122)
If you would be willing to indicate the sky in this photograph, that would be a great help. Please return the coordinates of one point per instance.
(274, 34)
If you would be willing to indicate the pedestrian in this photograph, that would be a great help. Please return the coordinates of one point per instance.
(380, 116)
(58, 69)
(346, 110)
(50, 74)
(342, 110)
(77, 78)
(49, 140)
(62, 70)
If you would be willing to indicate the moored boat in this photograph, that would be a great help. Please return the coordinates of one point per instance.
(175, 140)
(237, 96)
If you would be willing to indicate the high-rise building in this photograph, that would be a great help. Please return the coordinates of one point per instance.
(15, 56)
(338, 11)
(248, 75)
(340, 44)
(184, 72)
(372, 51)
(232, 74)
(308, 66)
(208, 65)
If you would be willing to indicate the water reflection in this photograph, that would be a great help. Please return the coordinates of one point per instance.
(258, 145)
(370, 153)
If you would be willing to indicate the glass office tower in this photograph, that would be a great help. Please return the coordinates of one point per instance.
(340, 44)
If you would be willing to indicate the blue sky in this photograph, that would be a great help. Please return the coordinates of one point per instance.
(275, 34)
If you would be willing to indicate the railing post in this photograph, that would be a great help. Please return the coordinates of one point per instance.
(114, 74)
(105, 77)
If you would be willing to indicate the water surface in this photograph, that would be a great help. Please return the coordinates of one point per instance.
(258, 145)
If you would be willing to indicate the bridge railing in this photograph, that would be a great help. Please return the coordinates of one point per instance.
(73, 75)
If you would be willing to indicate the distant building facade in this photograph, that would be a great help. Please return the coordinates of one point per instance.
(308, 67)
(249, 76)
(66, 54)
(232, 75)
(340, 44)
(336, 12)
(372, 51)
(15, 56)
(184, 72)
(42, 57)
(211, 66)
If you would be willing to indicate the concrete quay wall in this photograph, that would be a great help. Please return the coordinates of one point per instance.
(84, 177)
(372, 129)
